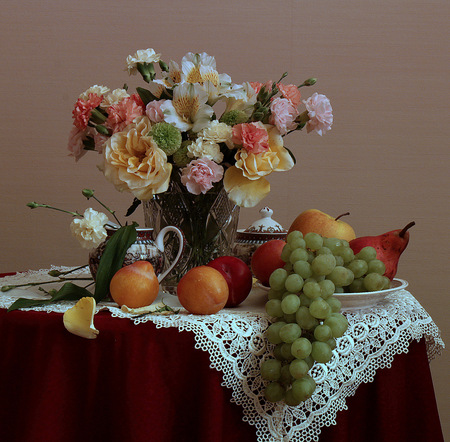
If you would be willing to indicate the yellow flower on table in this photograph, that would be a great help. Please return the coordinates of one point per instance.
(134, 163)
(245, 182)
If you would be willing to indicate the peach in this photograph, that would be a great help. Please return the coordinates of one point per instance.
(135, 285)
(203, 291)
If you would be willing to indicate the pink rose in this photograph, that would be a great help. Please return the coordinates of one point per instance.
(123, 113)
(253, 137)
(199, 175)
(320, 113)
(82, 111)
(291, 92)
(283, 115)
(154, 112)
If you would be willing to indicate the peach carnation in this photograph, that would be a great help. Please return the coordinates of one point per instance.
(82, 111)
(291, 92)
(199, 175)
(283, 115)
(251, 136)
(123, 113)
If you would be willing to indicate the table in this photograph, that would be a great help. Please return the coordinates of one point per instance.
(143, 383)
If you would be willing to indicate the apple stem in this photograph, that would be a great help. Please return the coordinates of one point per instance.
(403, 231)
(340, 216)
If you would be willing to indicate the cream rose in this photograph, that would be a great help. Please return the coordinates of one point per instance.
(217, 132)
(134, 163)
(201, 148)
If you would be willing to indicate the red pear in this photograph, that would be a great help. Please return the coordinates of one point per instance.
(389, 247)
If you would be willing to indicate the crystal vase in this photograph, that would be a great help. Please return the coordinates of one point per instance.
(208, 221)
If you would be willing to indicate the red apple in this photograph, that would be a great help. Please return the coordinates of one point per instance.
(267, 258)
(238, 277)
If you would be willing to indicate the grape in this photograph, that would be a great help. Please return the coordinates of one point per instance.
(304, 300)
(313, 241)
(289, 318)
(277, 352)
(321, 352)
(273, 332)
(323, 333)
(274, 294)
(290, 303)
(290, 332)
(339, 260)
(357, 286)
(346, 253)
(290, 400)
(311, 256)
(373, 282)
(273, 308)
(302, 268)
(338, 324)
(271, 369)
(298, 255)
(285, 376)
(298, 368)
(359, 267)
(376, 266)
(286, 351)
(288, 267)
(286, 252)
(274, 392)
(339, 290)
(320, 308)
(293, 236)
(296, 242)
(332, 243)
(335, 304)
(310, 361)
(277, 279)
(301, 348)
(294, 283)
(387, 283)
(341, 276)
(324, 251)
(332, 343)
(311, 289)
(327, 288)
(303, 389)
(323, 264)
(304, 318)
(367, 253)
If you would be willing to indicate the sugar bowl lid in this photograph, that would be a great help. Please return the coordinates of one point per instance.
(262, 229)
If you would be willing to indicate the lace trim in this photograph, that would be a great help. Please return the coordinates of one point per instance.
(236, 346)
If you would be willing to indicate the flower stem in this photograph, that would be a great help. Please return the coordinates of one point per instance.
(6, 288)
(112, 212)
(34, 205)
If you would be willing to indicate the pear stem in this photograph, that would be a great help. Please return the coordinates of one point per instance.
(403, 231)
(340, 216)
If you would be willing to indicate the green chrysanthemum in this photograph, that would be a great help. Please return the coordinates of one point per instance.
(167, 137)
(234, 117)
(180, 157)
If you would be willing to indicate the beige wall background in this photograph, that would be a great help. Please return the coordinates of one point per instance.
(384, 65)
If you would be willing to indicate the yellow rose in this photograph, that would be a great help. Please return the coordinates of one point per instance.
(245, 182)
(134, 163)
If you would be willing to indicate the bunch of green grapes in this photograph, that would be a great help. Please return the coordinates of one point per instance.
(307, 318)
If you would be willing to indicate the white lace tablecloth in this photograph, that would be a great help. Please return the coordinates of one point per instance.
(234, 339)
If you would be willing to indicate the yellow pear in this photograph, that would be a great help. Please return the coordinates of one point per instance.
(314, 220)
(79, 319)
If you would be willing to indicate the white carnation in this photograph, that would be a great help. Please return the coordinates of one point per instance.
(217, 132)
(113, 97)
(89, 230)
(141, 56)
(96, 89)
(201, 148)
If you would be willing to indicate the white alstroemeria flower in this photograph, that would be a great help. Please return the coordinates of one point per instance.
(157, 87)
(188, 109)
(173, 76)
(199, 68)
(113, 97)
(202, 148)
(90, 230)
(244, 100)
(141, 56)
(96, 89)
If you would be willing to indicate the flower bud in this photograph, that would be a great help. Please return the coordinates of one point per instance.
(33, 205)
(102, 129)
(88, 193)
(167, 137)
(310, 81)
(164, 67)
(234, 117)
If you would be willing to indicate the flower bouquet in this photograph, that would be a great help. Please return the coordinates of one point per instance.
(192, 145)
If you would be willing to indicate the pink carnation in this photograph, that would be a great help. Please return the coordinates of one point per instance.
(82, 111)
(138, 100)
(291, 92)
(251, 136)
(283, 115)
(123, 113)
(154, 112)
(99, 141)
(75, 144)
(320, 113)
(199, 175)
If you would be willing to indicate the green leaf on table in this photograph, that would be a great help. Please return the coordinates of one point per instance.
(112, 259)
(68, 292)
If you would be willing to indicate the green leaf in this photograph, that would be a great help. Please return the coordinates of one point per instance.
(68, 292)
(145, 94)
(112, 259)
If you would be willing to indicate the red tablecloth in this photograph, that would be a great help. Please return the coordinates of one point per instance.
(138, 383)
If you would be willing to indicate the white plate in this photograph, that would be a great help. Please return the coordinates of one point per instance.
(369, 299)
